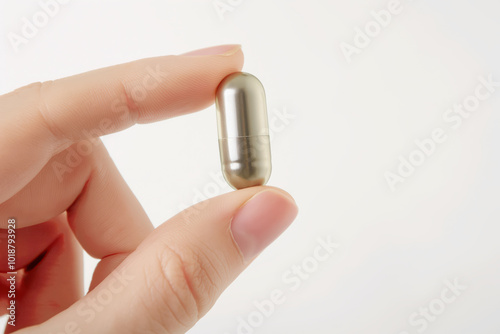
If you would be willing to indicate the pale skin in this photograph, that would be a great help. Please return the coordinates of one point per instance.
(148, 280)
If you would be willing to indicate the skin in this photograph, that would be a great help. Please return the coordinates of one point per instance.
(148, 280)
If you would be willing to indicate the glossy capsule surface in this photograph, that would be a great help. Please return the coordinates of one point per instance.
(243, 129)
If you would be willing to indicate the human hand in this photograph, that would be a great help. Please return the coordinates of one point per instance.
(59, 183)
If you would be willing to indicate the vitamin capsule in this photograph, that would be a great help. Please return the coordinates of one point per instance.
(244, 147)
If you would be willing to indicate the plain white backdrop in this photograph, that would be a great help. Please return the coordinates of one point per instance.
(340, 126)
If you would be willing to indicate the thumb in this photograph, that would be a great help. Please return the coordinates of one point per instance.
(178, 272)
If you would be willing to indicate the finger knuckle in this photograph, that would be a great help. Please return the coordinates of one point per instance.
(183, 284)
(44, 110)
(129, 101)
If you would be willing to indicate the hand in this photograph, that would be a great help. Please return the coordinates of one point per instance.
(59, 183)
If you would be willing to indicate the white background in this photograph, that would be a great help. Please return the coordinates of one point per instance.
(350, 123)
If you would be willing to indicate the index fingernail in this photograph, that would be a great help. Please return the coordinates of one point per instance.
(221, 50)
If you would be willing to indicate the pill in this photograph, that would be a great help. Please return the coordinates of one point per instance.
(244, 144)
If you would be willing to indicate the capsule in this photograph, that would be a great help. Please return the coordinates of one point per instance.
(243, 128)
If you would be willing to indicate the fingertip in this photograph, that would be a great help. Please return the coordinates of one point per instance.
(282, 193)
(261, 219)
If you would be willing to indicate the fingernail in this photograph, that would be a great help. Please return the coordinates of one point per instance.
(261, 220)
(221, 50)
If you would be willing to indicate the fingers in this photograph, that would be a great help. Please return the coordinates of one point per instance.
(106, 218)
(178, 272)
(104, 214)
(30, 243)
(50, 192)
(45, 118)
(53, 281)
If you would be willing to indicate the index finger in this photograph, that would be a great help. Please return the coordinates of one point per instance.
(42, 119)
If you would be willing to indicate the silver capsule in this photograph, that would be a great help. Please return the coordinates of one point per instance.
(243, 128)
